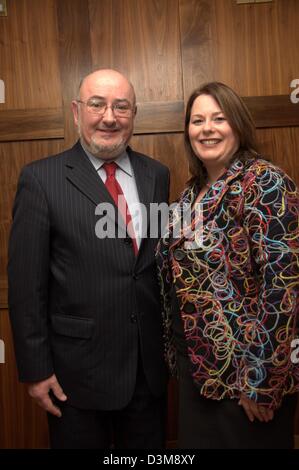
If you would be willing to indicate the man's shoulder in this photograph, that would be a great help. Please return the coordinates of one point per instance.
(50, 162)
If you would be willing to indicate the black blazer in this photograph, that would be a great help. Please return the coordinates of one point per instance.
(81, 307)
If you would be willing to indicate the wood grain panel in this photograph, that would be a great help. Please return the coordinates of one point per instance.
(287, 14)
(197, 20)
(29, 55)
(281, 146)
(23, 423)
(168, 149)
(159, 117)
(250, 47)
(247, 53)
(14, 155)
(3, 286)
(152, 118)
(141, 39)
(74, 56)
(267, 111)
(273, 111)
(31, 124)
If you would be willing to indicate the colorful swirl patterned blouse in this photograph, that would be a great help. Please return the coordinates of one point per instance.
(235, 270)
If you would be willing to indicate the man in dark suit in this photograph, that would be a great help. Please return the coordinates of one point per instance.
(84, 309)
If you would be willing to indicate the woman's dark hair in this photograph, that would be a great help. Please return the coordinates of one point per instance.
(238, 117)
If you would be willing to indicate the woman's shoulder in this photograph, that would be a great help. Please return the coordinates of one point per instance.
(262, 171)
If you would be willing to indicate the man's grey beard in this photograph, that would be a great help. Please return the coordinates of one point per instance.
(110, 151)
(102, 151)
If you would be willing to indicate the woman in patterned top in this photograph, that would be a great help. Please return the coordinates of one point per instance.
(229, 278)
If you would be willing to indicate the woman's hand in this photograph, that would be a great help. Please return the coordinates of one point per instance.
(254, 410)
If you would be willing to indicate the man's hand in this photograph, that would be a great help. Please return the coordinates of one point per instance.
(253, 410)
(39, 391)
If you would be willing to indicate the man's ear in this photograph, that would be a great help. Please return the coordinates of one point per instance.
(75, 109)
(135, 111)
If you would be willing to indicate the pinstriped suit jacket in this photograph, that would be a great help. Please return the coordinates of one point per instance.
(82, 307)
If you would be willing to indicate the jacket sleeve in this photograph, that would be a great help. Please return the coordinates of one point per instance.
(271, 221)
(28, 268)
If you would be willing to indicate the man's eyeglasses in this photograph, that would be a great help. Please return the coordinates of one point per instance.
(94, 106)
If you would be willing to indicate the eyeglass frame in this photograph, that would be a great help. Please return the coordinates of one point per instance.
(112, 107)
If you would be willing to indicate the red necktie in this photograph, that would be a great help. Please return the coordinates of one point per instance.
(115, 191)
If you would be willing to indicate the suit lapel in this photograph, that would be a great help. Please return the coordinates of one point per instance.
(82, 174)
(145, 182)
(144, 178)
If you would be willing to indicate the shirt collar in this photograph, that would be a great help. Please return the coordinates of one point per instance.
(122, 161)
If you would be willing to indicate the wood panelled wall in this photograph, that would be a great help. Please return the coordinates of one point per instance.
(166, 48)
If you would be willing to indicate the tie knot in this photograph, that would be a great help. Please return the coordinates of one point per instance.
(110, 168)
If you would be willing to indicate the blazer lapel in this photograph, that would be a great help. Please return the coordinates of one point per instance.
(145, 182)
(144, 178)
(82, 174)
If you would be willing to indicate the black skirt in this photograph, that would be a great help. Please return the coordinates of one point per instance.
(223, 424)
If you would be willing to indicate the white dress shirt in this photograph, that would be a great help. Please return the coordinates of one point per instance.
(126, 179)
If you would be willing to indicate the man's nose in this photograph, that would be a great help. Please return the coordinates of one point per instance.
(108, 116)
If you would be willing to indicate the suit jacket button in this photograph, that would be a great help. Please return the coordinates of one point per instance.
(179, 255)
(133, 318)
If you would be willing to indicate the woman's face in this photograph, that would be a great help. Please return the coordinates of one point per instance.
(212, 138)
